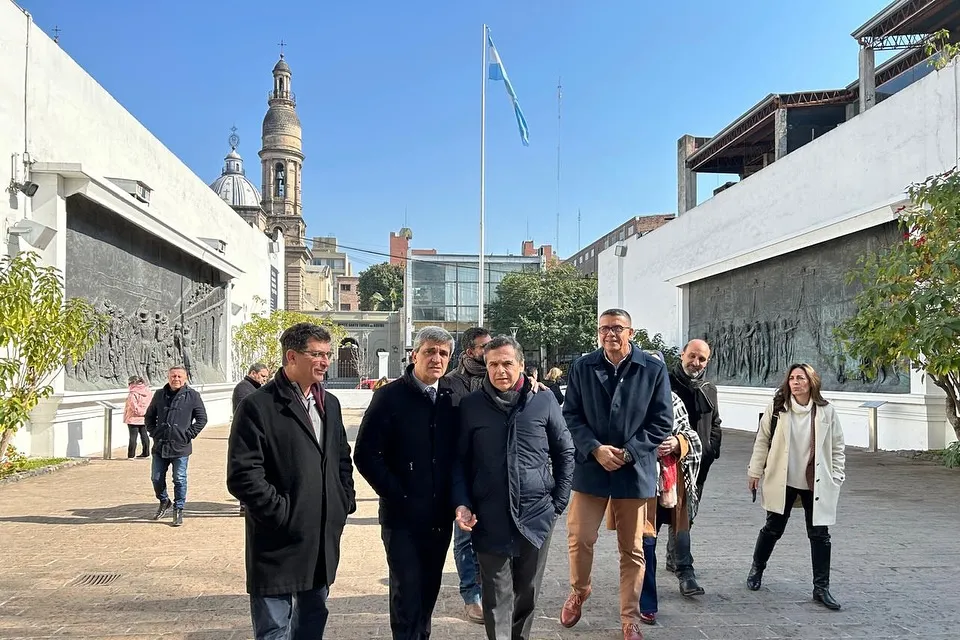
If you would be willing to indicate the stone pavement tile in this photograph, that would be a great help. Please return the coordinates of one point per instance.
(895, 564)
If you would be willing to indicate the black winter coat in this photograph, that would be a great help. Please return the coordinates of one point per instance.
(244, 388)
(297, 492)
(704, 412)
(514, 471)
(405, 450)
(173, 420)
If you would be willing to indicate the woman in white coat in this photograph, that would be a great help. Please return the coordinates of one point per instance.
(798, 457)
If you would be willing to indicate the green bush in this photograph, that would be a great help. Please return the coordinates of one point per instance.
(16, 462)
(671, 355)
(951, 455)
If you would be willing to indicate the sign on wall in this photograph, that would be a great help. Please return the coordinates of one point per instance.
(274, 288)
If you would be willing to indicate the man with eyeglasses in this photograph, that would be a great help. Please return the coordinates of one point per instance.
(289, 463)
(619, 410)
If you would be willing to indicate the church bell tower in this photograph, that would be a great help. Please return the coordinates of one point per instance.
(281, 159)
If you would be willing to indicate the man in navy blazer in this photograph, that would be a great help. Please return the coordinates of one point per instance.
(618, 408)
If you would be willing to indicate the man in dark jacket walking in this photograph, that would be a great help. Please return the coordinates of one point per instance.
(688, 381)
(175, 417)
(289, 462)
(405, 449)
(619, 409)
(465, 379)
(256, 377)
(512, 481)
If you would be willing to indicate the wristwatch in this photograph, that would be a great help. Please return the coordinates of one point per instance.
(627, 457)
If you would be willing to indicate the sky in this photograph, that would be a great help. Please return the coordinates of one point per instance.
(388, 94)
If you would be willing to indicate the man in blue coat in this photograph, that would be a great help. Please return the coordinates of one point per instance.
(618, 408)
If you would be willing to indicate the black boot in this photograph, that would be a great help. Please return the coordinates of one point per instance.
(162, 510)
(820, 559)
(177, 517)
(761, 553)
(684, 559)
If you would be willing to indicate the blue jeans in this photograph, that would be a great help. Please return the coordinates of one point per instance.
(158, 475)
(648, 594)
(298, 616)
(467, 566)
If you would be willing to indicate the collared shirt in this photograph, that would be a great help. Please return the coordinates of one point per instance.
(310, 405)
(615, 370)
(423, 386)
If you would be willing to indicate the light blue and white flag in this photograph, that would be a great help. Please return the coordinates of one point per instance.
(498, 72)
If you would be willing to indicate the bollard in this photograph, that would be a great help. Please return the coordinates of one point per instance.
(107, 433)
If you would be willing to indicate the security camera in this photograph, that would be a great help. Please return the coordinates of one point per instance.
(620, 251)
(28, 188)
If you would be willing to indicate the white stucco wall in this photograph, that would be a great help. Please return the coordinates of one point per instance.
(70, 118)
(848, 179)
(863, 164)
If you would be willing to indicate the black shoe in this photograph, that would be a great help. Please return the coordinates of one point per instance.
(822, 595)
(162, 511)
(144, 455)
(754, 578)
(177, 517)
(689, 587)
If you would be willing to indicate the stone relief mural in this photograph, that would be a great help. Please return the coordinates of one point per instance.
(763, 317)
(165, 306)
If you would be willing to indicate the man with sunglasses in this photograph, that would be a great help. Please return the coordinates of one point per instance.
(619, 410)
(289, 463)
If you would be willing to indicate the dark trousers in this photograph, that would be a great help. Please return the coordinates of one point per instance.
(510, 588)
(138, 430)
(296, 616)
(819, 536)
(415, 563)
(682, 556)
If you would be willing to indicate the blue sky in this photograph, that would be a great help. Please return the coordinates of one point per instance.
(388, 94)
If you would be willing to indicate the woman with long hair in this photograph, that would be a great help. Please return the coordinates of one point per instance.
(134, 410)
(798, 457)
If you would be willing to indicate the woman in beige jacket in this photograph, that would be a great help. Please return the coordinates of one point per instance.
(798, 457)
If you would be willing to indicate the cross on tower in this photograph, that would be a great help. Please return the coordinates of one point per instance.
(282, 44)
(56, 33)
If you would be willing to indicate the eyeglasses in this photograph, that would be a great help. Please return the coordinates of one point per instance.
(615, 330)
(318, 355)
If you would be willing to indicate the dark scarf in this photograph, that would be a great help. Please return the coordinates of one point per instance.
(475, 371)
(695, 386)
(504, 400)
(255, 383)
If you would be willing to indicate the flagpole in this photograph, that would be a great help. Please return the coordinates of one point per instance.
(483, 111)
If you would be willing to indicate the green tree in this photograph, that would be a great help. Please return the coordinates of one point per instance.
(381, 287)
(258, 339)
(909, 307)
(40, 332)
(671, 355)
(554, 310)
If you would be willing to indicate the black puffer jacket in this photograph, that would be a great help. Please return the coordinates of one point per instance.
(174, 419)
(405, 450)
(514, 471)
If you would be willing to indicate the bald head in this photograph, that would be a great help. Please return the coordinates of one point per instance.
(695, 357)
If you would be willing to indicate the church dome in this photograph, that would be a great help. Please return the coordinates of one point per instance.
(233, 186)
(281, 119)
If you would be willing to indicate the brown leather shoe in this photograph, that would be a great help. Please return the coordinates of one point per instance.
(632, 632)
(473, 612)
(572, 610)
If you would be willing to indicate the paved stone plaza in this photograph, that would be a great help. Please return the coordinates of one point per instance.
(896, 559)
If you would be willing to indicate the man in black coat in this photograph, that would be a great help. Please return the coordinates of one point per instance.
(256, 377)
(175, 417)
(512, 481)
(619, 409)
(688, 381)
(289, 463)
(405, 449)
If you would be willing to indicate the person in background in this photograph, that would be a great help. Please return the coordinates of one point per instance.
(175, 417)
(552, 382)
(382, 382)
(798, 456)
(134, 409)
(257, 376)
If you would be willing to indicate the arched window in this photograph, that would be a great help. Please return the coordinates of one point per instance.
(281, 86)
(279, 181)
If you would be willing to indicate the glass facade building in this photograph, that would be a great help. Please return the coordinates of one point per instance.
(442, 290)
